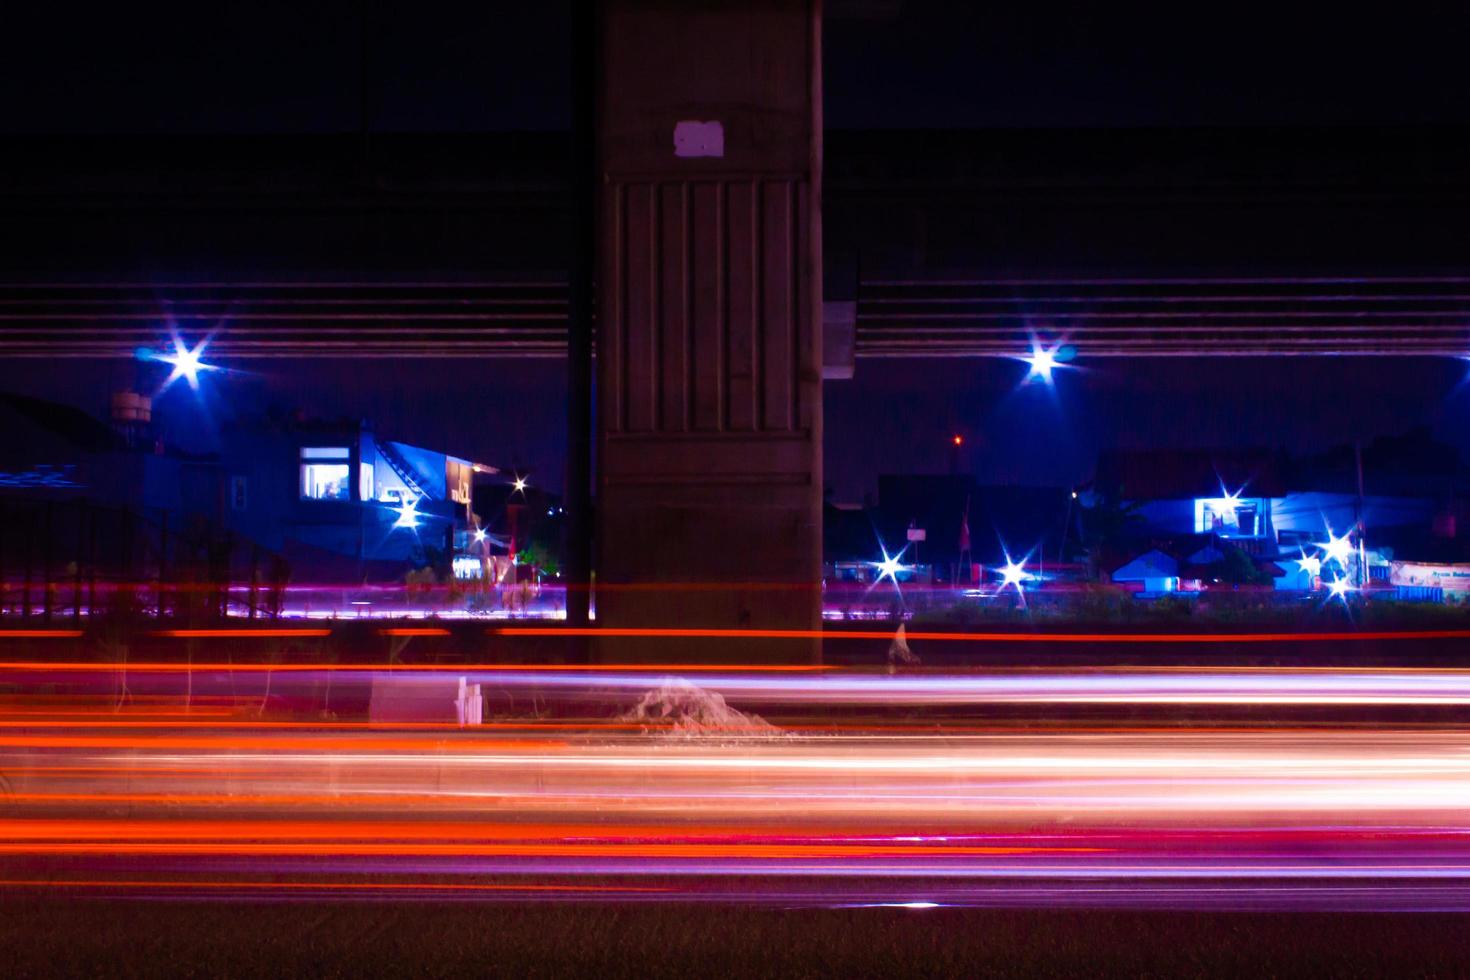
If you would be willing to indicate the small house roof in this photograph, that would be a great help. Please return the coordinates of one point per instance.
(1150, 564)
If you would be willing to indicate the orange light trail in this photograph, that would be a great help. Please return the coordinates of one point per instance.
(332, 886)
(40, 634)
(263, 743)
(396, 832)
(1088, 786)
(272, 633)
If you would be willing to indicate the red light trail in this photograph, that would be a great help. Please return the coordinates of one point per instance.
(852, 796)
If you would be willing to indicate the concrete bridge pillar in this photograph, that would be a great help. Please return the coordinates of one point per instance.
(709, 315)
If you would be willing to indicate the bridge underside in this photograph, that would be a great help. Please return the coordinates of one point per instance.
(1129, 243)
(1135, 243)
(917, 316)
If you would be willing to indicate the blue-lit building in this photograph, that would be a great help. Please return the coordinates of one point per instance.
(1407, 492)
(324, 502)
(1259, 500)
(1230, 494)
(1153, 572)
(337, 500)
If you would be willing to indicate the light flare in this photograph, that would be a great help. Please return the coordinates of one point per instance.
(187, 362)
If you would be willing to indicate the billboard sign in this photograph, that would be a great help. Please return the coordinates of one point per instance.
(1451, 578)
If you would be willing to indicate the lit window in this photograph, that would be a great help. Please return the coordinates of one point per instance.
(325, 473)
(364, 481)
(1229, 516)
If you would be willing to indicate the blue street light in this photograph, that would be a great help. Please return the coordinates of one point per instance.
(187, 362)
(1310, 564)
(891, 565)
(1013, 573)
(408, 515)
(1043, 361)
(1337, 549)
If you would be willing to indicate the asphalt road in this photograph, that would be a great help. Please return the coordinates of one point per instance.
(793, 821)
(147, 939)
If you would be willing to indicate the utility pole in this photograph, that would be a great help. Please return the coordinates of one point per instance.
(1066, 525)
(1358, 517)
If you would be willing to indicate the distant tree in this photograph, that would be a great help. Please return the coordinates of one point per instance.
(1237, 568)
(538, 557)
(1106, 527)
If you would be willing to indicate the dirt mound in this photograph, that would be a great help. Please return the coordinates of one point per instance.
(677, 707)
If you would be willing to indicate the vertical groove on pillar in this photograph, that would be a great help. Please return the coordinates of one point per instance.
(706, 316)
(776, 306)
(795, 196)
(810, 316)
(758, 335)
(740, 302)
(672, 297)
(640, 336)
(722, 235)
(656, 305)
(690, 383)
(612, 327)
(621, 420)
(721, 286)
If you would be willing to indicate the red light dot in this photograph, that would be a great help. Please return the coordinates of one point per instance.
(959, 440)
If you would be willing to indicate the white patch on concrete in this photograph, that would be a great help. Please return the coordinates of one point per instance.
(693, 138)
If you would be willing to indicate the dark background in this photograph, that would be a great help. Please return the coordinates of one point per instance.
(436, 68)
(270, 67)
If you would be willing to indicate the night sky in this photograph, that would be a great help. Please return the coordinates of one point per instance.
(276, 67)
(271, 66)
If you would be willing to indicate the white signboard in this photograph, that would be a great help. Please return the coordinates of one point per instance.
(1451, 578)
